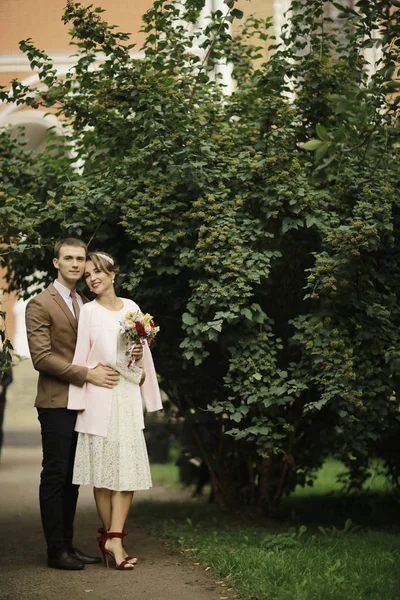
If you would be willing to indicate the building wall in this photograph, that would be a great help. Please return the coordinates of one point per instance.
(259, 8)
(41, 21)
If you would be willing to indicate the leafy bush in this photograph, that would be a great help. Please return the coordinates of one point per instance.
(260, 228)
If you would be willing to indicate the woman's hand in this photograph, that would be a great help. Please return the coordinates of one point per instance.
(137, 351)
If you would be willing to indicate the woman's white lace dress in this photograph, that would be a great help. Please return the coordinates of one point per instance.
(119, 461)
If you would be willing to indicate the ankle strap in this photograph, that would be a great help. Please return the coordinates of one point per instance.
(103, 535)
(103, 531)
(115, 534)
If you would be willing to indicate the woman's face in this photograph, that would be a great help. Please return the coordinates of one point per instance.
(97, 281)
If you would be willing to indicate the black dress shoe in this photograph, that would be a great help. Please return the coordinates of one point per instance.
(65, 561)
(84, 558)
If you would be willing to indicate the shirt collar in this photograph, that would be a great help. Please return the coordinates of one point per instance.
(62, 289)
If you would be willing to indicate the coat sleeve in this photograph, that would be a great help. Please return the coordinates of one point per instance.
(76, 394)
(150, 390)
(39, 340)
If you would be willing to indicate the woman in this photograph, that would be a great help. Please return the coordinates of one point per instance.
(111, 452)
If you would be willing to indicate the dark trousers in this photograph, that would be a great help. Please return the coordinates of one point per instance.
(57, 494)
(2, 407)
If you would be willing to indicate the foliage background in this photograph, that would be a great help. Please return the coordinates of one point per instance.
(261, 228)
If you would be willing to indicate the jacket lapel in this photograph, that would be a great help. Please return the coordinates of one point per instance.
(62, 304)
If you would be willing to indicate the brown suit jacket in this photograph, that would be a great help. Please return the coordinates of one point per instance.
(52, 330)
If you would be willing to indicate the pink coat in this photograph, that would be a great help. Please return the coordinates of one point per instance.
(97, 343)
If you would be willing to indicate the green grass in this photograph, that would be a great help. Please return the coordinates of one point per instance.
(326, 502)
(353, 567)
(326, 481)
(264, 560)
(304, 553)
(166, 475)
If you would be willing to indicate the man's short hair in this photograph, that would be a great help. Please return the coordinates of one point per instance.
(68, 242)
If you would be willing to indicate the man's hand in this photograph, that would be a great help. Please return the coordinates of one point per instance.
(103, 376)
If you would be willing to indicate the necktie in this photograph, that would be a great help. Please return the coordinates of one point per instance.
(75, 304)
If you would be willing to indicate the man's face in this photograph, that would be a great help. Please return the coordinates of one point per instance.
(70, 265)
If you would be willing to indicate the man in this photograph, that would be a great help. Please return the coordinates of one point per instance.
(51, 323)
(5, 380)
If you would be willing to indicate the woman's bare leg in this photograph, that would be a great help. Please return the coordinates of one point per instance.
(102, 498)
(120, 505)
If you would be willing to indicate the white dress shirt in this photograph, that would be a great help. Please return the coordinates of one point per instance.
(65, 293)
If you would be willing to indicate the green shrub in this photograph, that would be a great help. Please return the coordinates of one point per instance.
(260, 228)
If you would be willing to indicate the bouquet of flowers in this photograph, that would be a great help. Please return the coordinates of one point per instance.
(136, 328)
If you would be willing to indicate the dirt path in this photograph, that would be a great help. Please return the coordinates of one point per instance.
(160, 575)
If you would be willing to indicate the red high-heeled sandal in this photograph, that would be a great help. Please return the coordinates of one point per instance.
(102, 537)
(128, 558)
(124, 565)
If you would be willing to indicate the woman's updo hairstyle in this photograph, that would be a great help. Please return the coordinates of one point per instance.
(106, 263)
